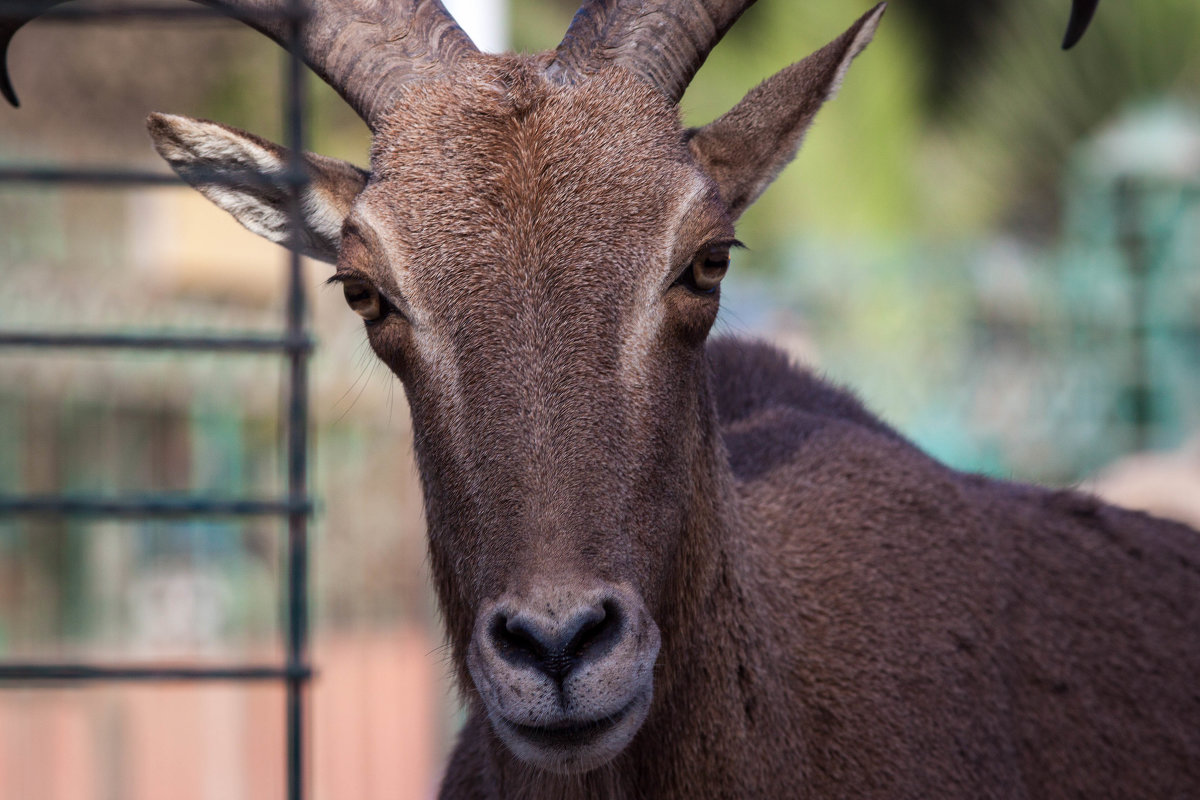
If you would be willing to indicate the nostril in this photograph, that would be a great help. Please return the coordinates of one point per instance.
(556, 646)
(596, 633)
(514, 638)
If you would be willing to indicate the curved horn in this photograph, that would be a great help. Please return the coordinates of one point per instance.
(365, 49)
(1082, 12)
(665, 41)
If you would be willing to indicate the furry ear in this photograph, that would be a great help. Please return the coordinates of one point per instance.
(219, 161)
(746, 148)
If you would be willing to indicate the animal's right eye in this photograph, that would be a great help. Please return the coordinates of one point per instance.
(707, 269)
(710, 267)
(363, 298)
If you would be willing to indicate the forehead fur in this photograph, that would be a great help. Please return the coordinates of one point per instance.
(498, 165)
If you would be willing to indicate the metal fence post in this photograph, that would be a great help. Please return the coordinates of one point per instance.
(294, 344)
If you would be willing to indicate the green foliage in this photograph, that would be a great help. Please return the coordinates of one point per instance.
(855, 173)
(539, 24)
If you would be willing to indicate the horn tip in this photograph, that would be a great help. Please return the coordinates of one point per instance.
(6, 89)
(1082, 12)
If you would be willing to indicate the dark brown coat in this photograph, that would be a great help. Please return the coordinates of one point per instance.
(865, 622)
(671, 568)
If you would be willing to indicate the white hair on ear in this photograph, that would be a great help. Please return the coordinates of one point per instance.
(197, 141)
(258, 217)
(213, 158)
(321, 214)
(863, 38)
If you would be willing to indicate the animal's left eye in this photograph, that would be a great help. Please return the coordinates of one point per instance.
(363, 299)
(707, 269)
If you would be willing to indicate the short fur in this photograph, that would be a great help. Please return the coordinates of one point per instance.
(670, 568)
(840, 615)
(869, 623)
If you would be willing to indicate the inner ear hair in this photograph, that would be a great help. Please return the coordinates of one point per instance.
(235, 170)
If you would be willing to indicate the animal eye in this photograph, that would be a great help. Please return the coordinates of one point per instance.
(363, 299)
(707, 269)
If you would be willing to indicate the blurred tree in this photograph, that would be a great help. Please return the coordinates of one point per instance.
(1009, 134)
(953, 34)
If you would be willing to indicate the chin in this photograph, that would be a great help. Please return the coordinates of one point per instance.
(574, 745)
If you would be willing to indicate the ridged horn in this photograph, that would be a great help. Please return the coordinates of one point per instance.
(665, 41)
(365, 49)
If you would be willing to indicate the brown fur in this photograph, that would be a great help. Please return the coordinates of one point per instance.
(869, 623)
(826, 611)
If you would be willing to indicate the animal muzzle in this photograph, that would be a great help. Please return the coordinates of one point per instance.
(566, 675)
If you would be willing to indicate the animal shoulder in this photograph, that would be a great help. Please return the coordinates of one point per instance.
(768, 407)
(795, 440)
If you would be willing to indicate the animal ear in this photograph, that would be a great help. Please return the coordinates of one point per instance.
(746, 148)
(234, 169)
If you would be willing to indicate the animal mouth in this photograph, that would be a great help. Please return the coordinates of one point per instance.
(570, 734)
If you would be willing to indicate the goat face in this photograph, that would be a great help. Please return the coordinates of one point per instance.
(534, 248)
(536, 252)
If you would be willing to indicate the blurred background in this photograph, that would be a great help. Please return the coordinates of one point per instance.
(995, 243)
